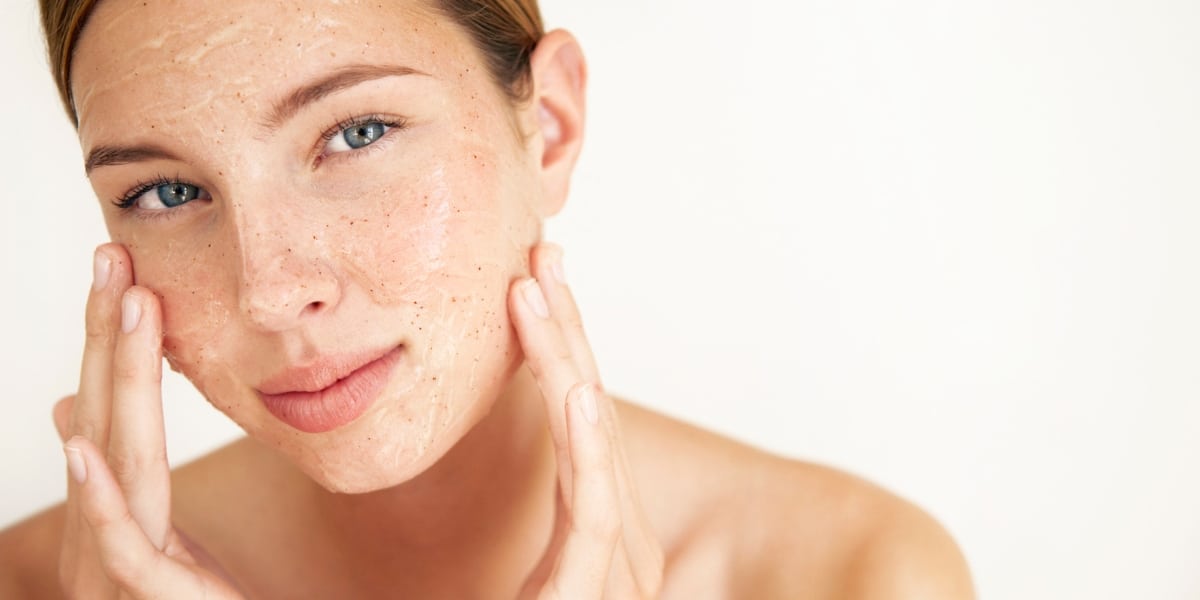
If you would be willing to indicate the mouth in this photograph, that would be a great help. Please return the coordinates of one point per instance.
(330, 392)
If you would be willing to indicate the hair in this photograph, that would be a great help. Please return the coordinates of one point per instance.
(504, 31)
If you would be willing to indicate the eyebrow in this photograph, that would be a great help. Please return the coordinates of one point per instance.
(340, 79)
(281, 112)
(103, 156)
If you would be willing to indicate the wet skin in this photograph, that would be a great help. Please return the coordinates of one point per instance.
(308, 248)
(292, 246)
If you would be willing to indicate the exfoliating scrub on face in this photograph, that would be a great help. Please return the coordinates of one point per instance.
(331, 224)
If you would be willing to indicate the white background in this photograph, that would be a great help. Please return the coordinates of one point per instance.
(950, 246)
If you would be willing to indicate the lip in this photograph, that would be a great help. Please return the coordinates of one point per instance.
(329, 392)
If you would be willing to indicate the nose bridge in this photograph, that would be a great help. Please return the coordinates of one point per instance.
(284, 275)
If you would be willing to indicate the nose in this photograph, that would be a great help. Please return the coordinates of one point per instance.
(285, 277)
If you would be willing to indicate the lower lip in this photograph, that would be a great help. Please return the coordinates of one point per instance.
(338, 404)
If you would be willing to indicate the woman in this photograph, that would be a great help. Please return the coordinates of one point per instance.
(328, 217)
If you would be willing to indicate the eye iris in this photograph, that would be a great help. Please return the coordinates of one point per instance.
(362, 135)
(177, 193)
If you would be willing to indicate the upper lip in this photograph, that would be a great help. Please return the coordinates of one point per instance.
(321, 372)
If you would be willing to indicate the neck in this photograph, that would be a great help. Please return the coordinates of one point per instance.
(488, 502)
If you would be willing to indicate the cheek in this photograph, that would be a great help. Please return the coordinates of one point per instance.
(196, 299)
(445, 231)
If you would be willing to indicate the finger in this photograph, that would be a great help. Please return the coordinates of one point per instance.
(640, 549)
(535, 581)
(638, 564)
(90, 412)
(586, 559)
(547, 267)
(644, 552)
(127, 555)
(547, 263)
(62, 417)
(546, 350)
(137, 450)
(551, 362)
(111, 276)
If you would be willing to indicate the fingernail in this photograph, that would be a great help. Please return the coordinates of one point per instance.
(131, 312)
(101, 268)
(587, 403)
(75, 464)
(556, 268)
(535, 299)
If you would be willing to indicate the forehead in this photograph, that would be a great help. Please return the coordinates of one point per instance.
(162, 61)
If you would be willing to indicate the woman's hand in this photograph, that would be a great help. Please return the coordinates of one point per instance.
(118, 540)
(602, 546)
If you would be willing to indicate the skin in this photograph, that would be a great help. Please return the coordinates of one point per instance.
(479, 456)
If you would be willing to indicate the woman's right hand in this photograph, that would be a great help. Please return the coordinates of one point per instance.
(118, 540)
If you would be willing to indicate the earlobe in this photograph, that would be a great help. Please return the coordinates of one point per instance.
(560, 83)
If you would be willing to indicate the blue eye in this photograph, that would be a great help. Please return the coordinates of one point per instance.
(163, 195)
(357, 135)
(361, 135)
(174, 194)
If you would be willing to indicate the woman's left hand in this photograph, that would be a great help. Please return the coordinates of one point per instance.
(602, 546)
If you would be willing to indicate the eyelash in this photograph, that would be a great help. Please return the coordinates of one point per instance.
(392, 123)
(126, 202)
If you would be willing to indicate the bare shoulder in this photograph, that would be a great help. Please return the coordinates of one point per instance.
(29, 548)
(29, 555)
(752, 524)
(815, 524)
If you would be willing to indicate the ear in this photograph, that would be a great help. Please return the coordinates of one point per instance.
(559, 83)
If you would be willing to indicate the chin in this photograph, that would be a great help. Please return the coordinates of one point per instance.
(398, 440)
(369, 464)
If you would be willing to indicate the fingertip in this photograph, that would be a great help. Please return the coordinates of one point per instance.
(583, 403)
(587, 403)
(76, 463)
(131, 310)
(142, 295)
(61, 414)
(111, 267)
(543, 257)
(547, 251)
(139, 305)
(101, 269)
(535, 299)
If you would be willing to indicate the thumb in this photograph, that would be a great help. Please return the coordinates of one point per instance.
(62, 416)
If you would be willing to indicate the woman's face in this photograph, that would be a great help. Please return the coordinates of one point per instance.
(314, 185)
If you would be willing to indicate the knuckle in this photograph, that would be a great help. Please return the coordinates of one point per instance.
(121, 568)
(129, 466)
(102, 522)
(86, 428)
(574, 322)
(97, 333)
(126, 372)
